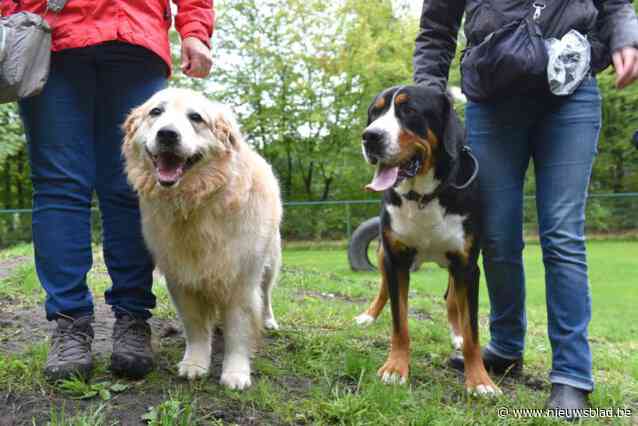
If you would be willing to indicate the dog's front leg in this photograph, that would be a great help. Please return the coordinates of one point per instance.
(195, 316)
(456, 332)
(464, 287)
(242, 328)
(395, 269)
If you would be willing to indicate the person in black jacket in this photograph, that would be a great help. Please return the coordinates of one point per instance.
(560, 134)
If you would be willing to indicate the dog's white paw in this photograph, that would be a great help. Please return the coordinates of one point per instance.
(235, 379)
(392, 379)
(364, 319)
(192, 370)
(484, 390)
(271, 324)
(457, 341)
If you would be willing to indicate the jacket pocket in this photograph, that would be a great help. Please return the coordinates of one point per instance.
(481, 19)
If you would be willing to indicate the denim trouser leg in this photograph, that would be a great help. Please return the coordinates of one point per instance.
(564, 151)
(498, 136)
(74, 141)
(126, 77)
(561, 136)
(59, 127)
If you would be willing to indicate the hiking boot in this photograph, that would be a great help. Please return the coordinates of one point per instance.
(493, 363)
(70, 349)
(567, 401)
(132, 353)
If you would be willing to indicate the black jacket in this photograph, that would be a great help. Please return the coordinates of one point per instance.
(610, 25)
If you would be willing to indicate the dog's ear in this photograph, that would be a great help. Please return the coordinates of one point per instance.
(226, 129)
(453, 130)
(132, 123)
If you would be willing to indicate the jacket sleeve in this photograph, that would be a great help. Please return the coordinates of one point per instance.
(617, 24)
(195, 18)
(436, 41)
(7, 7)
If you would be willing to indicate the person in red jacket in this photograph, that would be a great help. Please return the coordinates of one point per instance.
(108, 57)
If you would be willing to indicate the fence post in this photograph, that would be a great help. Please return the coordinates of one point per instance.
(348, 224)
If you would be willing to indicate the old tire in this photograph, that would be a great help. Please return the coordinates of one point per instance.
(359, 246)
(365, 234)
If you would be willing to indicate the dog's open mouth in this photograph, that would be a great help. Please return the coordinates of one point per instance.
(170, 167)
(388, 176)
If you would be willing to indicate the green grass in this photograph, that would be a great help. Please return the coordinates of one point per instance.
(59, 417)
(321, 369)
(17, 250)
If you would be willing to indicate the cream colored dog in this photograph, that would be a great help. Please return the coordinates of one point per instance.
(211, 211)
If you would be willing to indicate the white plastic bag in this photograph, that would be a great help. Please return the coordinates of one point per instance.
(569, 62)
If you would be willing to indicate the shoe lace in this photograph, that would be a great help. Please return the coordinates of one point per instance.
(68, 341)
(131, 333)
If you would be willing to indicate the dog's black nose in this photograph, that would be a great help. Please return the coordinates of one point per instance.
(168, 136)
(373, 141)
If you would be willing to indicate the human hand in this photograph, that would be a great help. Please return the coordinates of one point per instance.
(626, 65)
(196, 58)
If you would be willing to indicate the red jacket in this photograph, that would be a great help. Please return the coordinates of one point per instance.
(145, 23)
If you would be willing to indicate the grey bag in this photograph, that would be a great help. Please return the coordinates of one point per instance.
(25, 55)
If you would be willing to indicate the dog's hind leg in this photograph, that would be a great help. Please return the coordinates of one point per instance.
(376, 307)
(196, 317)
(456, 333)
(242, 329)
(271, 272)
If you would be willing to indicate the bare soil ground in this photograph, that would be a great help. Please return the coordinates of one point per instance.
(22, 328)
(23, 325)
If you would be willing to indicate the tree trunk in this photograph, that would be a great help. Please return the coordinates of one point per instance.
(307, 179)
(288, 181)
(619, 173)
(19, 180)
(7, 183)
(326, 188)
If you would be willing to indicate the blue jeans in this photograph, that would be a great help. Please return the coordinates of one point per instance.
(74, 139)
(560, 135)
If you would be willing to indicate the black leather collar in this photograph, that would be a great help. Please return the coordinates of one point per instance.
(424, 199)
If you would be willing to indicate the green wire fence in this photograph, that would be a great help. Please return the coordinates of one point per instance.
(607, 213)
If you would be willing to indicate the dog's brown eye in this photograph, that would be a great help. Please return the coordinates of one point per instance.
(409, 110)
(195, 117)
(155, 112)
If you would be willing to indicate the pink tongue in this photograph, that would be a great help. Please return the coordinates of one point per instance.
(169, 168)
(384, 178)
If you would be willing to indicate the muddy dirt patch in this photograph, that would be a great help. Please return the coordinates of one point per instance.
(303, 294)
(20, 329)
(27, 409)
(125, 409)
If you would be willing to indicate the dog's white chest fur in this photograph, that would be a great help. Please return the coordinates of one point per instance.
(431, 230)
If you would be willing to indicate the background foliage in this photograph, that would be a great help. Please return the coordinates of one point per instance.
(300, 75)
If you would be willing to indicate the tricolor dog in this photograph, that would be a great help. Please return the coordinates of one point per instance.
(430, 213)
(211, 212)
